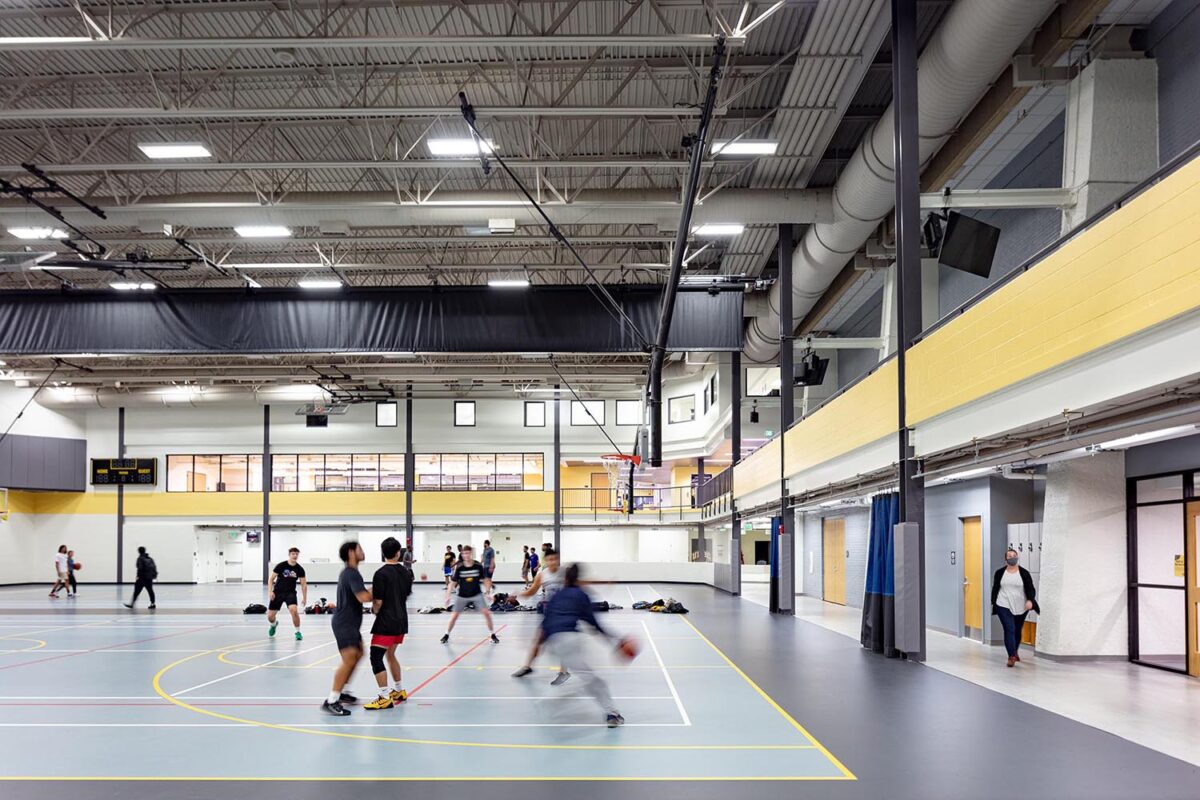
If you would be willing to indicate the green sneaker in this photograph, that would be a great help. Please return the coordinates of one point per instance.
(299, 636)
(271, 630)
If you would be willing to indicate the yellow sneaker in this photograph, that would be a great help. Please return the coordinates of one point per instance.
(398, 697)
(378, 704)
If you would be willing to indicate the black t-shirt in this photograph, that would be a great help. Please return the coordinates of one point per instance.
(469, 579)
(392, 585)
(448, 560)
(287, 577)
(349, 612)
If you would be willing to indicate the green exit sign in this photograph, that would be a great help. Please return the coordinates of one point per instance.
(768, 433)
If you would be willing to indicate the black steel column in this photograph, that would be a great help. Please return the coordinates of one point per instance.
(410, 467)
(266, 492)
(735, 435)
(120, 500)
(557, 470)
(908, 262)
(787, 411)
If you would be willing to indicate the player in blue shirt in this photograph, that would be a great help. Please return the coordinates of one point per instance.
(563, 639)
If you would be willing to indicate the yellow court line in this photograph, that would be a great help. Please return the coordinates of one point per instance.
(157, 684)
(849, 775)
(38, 645)
(420, 779)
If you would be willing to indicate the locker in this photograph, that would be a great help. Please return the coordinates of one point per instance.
(1035, 547)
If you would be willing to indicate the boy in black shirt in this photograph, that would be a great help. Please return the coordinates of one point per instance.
(471, 580)
(390, 588)
(282, 591)
(346, 625)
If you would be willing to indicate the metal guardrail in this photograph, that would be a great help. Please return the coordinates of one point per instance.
(716, 486)
(661, 502)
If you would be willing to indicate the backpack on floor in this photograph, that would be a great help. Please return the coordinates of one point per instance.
(255, 608)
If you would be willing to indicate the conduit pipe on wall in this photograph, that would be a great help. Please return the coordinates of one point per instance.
(975, 42)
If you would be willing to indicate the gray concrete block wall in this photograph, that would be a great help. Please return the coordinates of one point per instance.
(811, 563)
(1023, 232)
(1175, 44)
(858, 534)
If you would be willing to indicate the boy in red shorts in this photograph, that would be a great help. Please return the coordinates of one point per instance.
(390, 588)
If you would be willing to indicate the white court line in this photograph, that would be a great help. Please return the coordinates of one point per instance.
(335, 725)
(522, 698)
(670, 683)
(251, 669)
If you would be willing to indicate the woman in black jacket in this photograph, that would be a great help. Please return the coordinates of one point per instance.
(1013, 597)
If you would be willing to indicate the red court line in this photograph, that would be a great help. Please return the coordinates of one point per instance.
(446, 668)
(107, 647)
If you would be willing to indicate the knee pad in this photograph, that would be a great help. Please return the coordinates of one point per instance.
(377, 654)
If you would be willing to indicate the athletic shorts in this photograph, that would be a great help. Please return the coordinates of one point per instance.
(459, 604)
(385, 640)
(282, 600)
(62, 576)
(347, 638)
(447, 570)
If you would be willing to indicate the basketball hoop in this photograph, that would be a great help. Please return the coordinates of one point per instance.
(620, 481)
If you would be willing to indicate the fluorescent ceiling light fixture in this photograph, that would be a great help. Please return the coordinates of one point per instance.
(508, 283)
(545, 390)
(320, 283)
(253, 284)
(263, 231)
(42, 39)
(38, 233)
(459, 147)
(969, 473)
(1149, 436)
(131, 286)
(174, 150)
(719, 229)
(745, 147)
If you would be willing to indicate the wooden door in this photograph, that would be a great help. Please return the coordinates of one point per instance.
(833, 557)
(1191, 552)
(600, 491)
(972, 561)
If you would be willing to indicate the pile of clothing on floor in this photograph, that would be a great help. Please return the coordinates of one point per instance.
(660, 606)
(503, 603)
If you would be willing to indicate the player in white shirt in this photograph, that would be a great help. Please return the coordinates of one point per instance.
(548, 581)
(62, 573)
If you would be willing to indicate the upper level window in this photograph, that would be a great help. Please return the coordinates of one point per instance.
(629, 412)
(535, 414)
(681, 409)
(587, 412)
(464, 413)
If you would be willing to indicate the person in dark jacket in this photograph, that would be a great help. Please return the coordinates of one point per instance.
(562, 638)
(1013, 597)
(147, 573)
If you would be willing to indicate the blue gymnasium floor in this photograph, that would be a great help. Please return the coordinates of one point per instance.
(194, 701)
(171, 687)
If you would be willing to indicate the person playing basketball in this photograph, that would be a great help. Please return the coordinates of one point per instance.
(474, 587)
(390, 589)
(281, 591)
(346, 625)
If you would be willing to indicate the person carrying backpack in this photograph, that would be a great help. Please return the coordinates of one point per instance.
(147, 573)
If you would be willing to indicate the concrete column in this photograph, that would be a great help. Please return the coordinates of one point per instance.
(1111, 140)
(1083, 576)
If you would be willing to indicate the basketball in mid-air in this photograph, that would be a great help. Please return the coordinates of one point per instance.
(628, 648)
(78, 565)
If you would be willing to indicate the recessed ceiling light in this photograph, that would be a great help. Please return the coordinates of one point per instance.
(320, 283)
(174, 150)
(745, 147)
(263, 231)
(719, 229)
(458, 147)
(508, 283)
(130, 286)
(38, 233)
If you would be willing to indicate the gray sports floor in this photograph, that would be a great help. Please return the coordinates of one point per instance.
(191, 700)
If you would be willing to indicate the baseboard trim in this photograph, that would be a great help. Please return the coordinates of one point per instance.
(1074, 659)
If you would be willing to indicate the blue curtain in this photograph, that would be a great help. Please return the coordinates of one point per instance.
(879, 609)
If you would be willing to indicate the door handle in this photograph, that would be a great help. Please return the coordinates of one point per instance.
(966, 582)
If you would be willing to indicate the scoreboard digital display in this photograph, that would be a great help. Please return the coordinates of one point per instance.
(124, 471)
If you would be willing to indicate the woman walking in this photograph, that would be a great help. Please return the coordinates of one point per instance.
(1013, 597)
(62, 574)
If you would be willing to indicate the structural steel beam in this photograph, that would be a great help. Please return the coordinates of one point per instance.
(337, 112)
(137, 44)
(81, 168)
